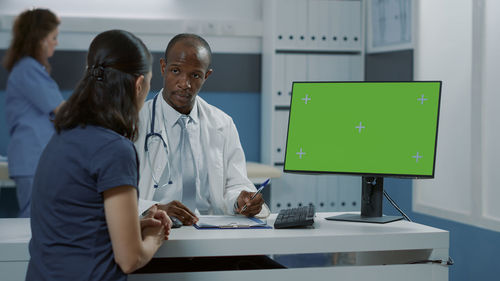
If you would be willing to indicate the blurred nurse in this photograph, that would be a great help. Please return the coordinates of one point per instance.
(32, 97)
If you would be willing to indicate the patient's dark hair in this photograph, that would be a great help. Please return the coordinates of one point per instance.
(106, 95)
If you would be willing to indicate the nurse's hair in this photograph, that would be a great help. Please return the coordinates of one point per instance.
(106, 95)
(29, 29)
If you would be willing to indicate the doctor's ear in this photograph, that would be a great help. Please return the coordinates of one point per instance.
(209, 71)
(139, 84)
(163, 66)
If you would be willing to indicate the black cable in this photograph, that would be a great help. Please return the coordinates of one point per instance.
(393, 203)
(448, 262)
(396, 206)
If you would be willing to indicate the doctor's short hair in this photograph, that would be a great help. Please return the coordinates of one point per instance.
(106, 95)
(28, 31)
(189, 38)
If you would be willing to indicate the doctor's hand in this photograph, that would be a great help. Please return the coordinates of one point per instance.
(254, 206)
(156, 218)
(180, 211)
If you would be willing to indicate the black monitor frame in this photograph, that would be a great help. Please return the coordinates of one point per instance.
(372, 190)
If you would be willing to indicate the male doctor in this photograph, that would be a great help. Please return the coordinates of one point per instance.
(190, 155)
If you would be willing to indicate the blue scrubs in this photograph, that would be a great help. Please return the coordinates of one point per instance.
(70, 238)
(31, 96)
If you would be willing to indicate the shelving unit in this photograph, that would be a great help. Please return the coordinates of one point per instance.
(307, 40)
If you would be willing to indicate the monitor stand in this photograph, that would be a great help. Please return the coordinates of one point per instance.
(372, 195)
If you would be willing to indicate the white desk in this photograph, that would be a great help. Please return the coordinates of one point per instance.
(373, 245)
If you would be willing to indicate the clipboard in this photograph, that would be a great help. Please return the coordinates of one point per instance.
(230, 222)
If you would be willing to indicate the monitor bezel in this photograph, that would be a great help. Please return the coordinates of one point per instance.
(406, 176)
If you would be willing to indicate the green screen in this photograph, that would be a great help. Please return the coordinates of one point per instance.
(385, 128)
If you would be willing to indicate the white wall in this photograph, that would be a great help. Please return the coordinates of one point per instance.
(458, 43)
(161, 9)
(490, 114)
(231, 26)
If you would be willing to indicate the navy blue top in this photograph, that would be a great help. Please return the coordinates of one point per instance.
(31, 95)
(70, 238)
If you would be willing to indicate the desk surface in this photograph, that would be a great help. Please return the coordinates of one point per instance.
(327, 236)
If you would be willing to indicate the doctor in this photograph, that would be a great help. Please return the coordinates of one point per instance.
(191, 159)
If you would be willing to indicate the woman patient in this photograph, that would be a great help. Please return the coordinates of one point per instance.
(84, 204)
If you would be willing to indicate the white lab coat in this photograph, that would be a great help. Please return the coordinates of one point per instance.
(224, 156)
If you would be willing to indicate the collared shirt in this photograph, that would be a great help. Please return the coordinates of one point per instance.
(31, 96)
(173, 132)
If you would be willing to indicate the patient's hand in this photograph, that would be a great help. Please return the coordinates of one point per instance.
(155, 218)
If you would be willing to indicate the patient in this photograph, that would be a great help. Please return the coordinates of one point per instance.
(84, 206)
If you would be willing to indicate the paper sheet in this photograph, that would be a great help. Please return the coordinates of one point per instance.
(228, 222)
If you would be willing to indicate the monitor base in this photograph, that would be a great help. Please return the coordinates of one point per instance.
(359, 218)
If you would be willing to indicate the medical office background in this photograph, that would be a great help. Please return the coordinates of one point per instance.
(456, 41)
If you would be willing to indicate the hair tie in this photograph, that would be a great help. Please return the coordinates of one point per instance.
(97, 71)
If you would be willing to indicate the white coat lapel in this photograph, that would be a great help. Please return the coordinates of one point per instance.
(212, 138)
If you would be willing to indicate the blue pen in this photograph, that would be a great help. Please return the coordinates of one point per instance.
(259, 190)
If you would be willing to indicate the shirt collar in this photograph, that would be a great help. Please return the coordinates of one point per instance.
(172, 115)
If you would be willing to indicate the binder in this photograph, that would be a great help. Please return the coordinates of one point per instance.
(335, 24)
(287, 23)
(283, 193)
(299, 24)
(323, 200)
(349, 193)
(295, 70)
(279, 82)
(354, 12)
(279, 135)
(344, 28)
(318, 21)
(313, 22)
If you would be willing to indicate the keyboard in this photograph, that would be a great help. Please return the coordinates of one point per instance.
(295, 217)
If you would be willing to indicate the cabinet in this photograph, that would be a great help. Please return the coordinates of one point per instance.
(307, 40)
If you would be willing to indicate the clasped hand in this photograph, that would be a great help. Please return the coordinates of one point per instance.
(156, 222)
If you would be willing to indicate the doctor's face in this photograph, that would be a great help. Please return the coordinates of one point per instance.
(184, 72)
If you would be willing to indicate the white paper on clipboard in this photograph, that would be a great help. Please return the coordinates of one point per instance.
(229, 222)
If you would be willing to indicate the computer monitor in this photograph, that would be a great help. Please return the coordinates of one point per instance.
(370, 129)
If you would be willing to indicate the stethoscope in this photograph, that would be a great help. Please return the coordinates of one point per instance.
(150, 136)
